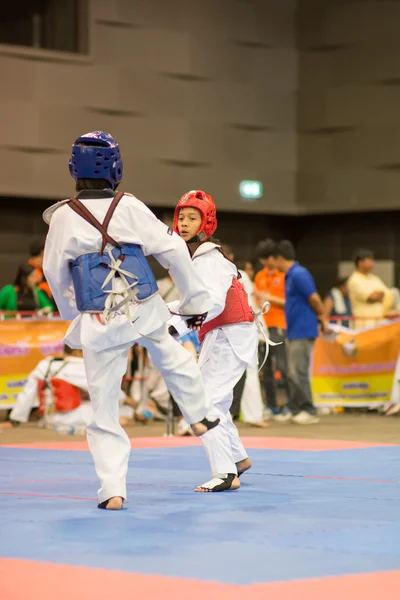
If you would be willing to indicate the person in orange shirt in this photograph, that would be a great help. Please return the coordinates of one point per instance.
(270, 285)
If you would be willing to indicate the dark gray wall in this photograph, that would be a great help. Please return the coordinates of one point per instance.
(348, 105)
(199, 94)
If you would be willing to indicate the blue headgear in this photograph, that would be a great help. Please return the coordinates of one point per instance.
(96, 155)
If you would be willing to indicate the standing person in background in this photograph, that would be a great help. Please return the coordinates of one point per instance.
(369, 296)
(251, 402)
(303, 311)
(248, 268)
(337, 303)
(269, 286)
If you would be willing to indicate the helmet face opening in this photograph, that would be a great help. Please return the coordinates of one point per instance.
(205, 205)
(96, 155)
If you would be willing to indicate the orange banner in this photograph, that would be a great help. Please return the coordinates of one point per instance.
(356, 368)
(22, 345)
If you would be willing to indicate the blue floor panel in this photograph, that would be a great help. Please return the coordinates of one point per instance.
(297, 515)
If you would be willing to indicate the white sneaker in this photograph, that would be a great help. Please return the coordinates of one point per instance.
(304, 418)
(283, 417)
(267, 414)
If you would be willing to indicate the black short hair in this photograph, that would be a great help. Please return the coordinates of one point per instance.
(286, 250)
(361, 254)
(227, 249)
(93, 184)
(342, 281)
(266, 248)
(36, 247)
(23, 273)
(241, 263)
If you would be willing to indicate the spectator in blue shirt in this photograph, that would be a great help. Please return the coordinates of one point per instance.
(303, 311)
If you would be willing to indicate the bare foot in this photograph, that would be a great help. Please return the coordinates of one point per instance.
(243, 465)
(220, 485)
(115, 503)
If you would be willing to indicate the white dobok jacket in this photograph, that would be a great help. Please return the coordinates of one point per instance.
(70, 236)
(217, 273)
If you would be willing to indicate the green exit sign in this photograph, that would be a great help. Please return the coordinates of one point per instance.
(251, 189)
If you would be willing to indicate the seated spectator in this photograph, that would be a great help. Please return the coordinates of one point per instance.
(147, 388)
(370, 298)
(24, 295)
(60, 383)
(167, 289)
(337, 303)
(36, 251)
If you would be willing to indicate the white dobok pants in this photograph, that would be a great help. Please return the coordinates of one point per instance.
(109, 444)
(221, 369)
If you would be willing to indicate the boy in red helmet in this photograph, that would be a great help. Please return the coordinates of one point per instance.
(228, 336)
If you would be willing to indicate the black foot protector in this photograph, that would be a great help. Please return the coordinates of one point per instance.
(218, 484)
(105, 503)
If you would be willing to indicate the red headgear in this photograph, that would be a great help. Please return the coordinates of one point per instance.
(206, 205)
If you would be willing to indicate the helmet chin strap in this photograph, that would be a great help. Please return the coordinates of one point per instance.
(198, 238)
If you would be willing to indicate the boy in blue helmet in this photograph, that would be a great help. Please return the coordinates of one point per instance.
(95, 263)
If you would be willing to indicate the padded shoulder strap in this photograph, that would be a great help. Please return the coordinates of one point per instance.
(85, 213)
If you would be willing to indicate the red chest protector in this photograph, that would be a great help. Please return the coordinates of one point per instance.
(237, 310)
(63, 396)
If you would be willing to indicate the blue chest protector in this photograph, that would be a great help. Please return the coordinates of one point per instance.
(90, 271)
(95, 274)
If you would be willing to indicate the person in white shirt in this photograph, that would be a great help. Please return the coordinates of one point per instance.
(370, 298)
(95, 263)
(229, 337)
(252, 405)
